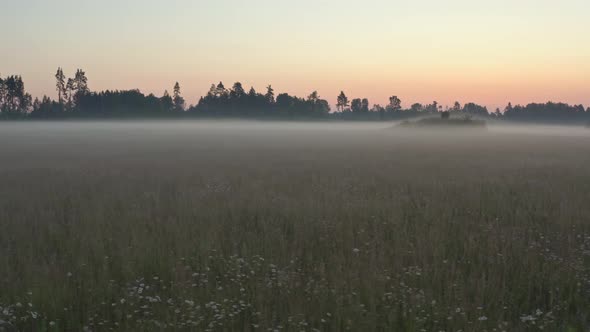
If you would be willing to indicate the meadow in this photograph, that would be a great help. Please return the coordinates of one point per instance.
(228, 226)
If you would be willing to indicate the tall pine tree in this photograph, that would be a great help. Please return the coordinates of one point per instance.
(60, 84)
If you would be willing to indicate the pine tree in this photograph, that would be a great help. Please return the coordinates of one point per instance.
(252, 92)
(70, 90)
(342, 101)
(177, 98)
(80, 82)
(237, 90)
(60, 84)
(166, 102)
(220, 90)
(270, 94)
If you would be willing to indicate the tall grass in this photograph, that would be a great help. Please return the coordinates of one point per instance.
(314, 230)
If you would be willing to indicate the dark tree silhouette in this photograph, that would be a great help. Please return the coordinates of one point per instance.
(14, 100)
(508, 108)
(60, 84)
(167, 101)
(342, 102)
(474, 109)
(318, 105)
(220, 90)
(416, 108)
(356, 105)
(81, 81)
(395, 104)
(178, 101)
(546, 113)
(365, 105)
(313, 97)
(76, 100)
(497, 113)
(252, 92)
(237, 91)
(270, 94)
(46, 108)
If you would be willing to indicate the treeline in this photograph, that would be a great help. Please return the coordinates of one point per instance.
(237, 103)
(76, 100)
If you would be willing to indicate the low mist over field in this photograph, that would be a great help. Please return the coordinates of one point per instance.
(228, 225)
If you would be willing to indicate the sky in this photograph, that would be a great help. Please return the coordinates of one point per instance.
(488, 52)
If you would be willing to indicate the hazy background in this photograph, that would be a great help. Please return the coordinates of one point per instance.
(486, 52)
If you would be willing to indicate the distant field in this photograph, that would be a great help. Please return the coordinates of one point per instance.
(293, 227)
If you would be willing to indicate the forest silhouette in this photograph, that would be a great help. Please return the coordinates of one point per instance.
(75, 100)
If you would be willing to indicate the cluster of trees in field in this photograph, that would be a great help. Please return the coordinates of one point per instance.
(236, 102)
(76, 100)
(14, 100)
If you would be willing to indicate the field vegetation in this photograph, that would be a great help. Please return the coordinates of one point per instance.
(183, 226)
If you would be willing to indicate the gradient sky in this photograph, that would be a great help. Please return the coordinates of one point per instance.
(489, 52)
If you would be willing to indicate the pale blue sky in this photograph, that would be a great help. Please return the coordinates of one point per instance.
(488, 52)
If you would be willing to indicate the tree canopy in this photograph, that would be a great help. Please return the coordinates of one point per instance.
(76, 99)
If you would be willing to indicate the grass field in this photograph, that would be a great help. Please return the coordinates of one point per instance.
(292, 227)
